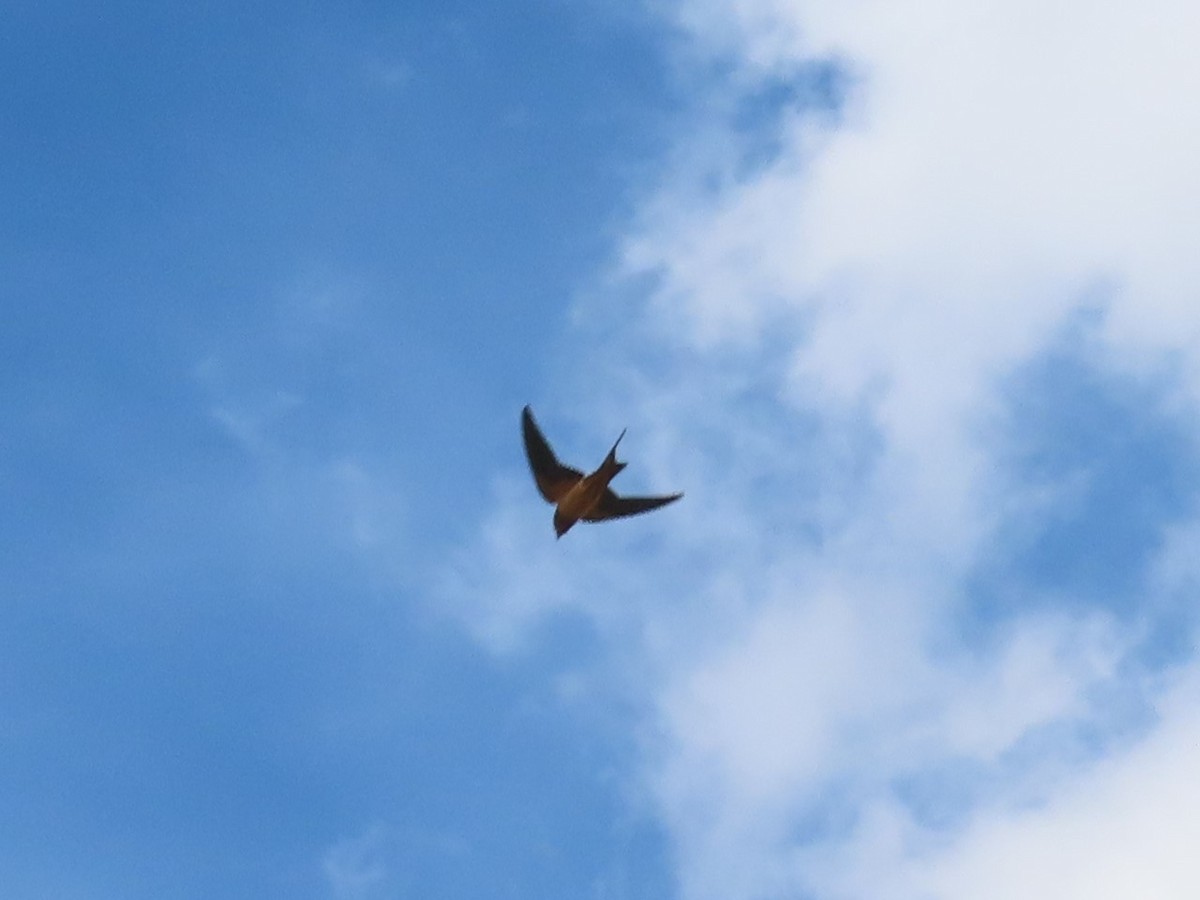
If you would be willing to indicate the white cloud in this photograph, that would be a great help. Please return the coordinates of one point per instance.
(356, 868)
(821, 712)
(1124, 829)
(999, 159)
(830, 333)
(381, 861)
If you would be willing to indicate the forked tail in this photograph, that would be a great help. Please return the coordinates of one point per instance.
(610, 461)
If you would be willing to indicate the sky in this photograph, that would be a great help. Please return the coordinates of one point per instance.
(903, 296)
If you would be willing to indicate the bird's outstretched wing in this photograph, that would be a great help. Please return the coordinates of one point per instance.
(552, 477)
(613, 506)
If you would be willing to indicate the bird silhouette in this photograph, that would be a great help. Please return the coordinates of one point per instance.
(577, 496)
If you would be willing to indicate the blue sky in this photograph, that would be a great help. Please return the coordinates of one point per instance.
(250, 256)
(282, 612)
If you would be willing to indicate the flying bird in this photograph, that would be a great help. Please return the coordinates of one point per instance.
(575, 495)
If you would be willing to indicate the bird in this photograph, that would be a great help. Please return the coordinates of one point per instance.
(577, 496)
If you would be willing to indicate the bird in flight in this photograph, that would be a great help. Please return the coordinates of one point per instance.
(575, 495)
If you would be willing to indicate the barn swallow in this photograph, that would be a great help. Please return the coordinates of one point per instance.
(575, 495)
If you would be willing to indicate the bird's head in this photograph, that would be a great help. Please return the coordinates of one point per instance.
(562, 524)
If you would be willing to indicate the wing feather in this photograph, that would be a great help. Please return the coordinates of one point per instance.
(552, 477)
(614, 506)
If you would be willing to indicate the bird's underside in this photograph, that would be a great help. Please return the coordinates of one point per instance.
(578, 496)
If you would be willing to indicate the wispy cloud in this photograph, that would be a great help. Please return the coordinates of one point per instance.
(831, 698)
(356, 868)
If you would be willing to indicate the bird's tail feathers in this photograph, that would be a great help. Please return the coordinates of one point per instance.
(610, 461)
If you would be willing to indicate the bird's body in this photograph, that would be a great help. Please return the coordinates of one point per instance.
(585, 495)
(577, 496)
